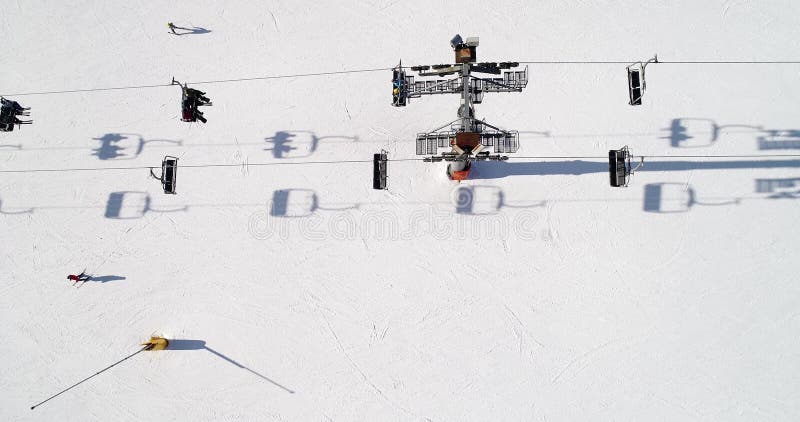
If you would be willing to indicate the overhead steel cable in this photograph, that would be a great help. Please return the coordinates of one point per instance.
(381, 69)
(289, 163)
(219, 81)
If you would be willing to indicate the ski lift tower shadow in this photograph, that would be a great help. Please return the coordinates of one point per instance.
(185, 344)
(128, 205)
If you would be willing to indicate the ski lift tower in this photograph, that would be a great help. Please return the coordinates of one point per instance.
(466, 137)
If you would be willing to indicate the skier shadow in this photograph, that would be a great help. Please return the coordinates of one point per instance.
(484, 200)
(286, 141)
(195, 30)
(666, 198)
(298, 203)
(498, 170)
(107, 278)
(183, 344)
(10, 146)
(129, 205)
(111, 149)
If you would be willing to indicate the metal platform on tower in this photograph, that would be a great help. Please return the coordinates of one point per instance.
(467, 138)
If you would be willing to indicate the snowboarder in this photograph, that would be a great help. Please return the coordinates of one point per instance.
(82, 277)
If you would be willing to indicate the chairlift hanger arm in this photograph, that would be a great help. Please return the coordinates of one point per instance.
(491, 126)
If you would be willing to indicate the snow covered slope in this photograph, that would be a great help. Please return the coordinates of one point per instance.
(533, 291)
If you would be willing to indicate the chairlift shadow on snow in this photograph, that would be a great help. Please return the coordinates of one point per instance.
(305, 142)
(112, 145)
(130, 205)
(484, 200)
(298, 203)
(779, 139)
(184, 344)
(783, 188)
(666, 198)
(23, 211)
(681, 132)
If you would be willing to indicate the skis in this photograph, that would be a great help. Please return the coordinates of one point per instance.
(88, 278)
(79, 282)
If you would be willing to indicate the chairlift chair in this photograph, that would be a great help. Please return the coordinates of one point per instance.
(619, 166)
(636, 81)
(9, 110)
(379, 167)
(169, 173)
(399, 86)
(191, 99)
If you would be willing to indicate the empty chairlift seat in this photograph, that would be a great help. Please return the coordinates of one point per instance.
(169, 174)
(635, 86)
(379, 162)
(619, 168)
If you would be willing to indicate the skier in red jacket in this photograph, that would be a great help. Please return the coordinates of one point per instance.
(80, 277)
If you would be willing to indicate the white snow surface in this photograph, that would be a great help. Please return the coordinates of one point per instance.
(298, 293)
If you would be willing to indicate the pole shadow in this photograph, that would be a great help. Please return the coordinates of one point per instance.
(184, 344)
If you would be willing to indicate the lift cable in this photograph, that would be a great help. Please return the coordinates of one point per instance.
(531, 157)
(382, 69)
(220, 81)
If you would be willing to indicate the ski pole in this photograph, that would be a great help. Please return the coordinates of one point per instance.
(89, 377)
